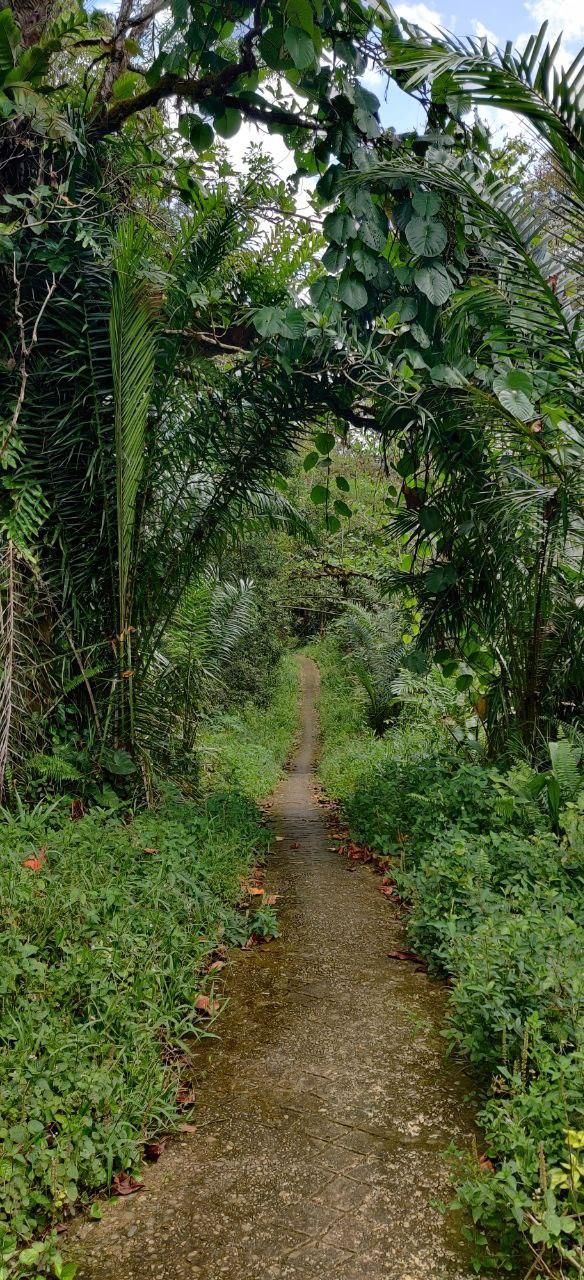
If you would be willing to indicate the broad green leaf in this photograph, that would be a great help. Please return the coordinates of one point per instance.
(310, 460)
(430, 519)
(426, 203)
(343, 484)
(447, 375)
(227, 122)
(365, 260)
(405, 308)
(300, 46)
(339, 226)
(300, 14)
(324, 441)
(342, 509)
(271, 43)
(292, 324)
(441, 577)
(323, 291)
(9, 42)
(433, 281)
(333, 523)
(352, 292)
(374, 229)
(512, 390)
(406, 466)
(335, 258)
(126, 85)
(318, 494)
(196, 131)
(426, 239)
(266, 321)
(464, 682)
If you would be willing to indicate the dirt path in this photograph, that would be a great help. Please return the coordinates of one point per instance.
(323, 1109)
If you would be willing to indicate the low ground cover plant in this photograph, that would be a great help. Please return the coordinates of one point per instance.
(497, 905)
(107, 925)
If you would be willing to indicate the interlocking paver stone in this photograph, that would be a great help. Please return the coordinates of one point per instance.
(324, 1105)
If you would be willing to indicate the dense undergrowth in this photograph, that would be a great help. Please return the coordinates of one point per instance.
(107, 927)
(246, 749)
(497, 905)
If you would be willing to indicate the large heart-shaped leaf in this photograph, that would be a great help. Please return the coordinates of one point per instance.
(339, 226)
(365, 260)
(433, 280)
(426, 203)
(300, 46)
(513, 390)
(353, 293)
(426, 238)
(196, 131)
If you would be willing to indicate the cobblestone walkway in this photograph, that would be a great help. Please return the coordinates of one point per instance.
(325, 1106)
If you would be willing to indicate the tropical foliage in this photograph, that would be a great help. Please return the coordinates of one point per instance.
(237, 410)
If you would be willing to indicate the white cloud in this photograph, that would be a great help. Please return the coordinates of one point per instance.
(562, 15)
(484, 33)
(429, 19)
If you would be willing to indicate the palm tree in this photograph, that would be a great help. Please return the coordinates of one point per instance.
(485, 394)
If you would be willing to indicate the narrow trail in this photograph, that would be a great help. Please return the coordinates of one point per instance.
(325, 1107)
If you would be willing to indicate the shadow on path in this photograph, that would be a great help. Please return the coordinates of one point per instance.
(323, 1109)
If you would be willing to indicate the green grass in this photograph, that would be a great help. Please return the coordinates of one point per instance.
(247, 751)
(350, 751)
(498, 906)
(103, 949)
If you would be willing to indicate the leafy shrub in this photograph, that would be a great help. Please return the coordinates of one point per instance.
(247, 750)
(101, 948)
(497, 904)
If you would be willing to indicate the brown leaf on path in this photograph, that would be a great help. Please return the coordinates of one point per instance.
(216, 966)
(485, 1163)
(405, 955)
(254, 890)
(295, 844)
(271, 899)
(124, 1184)
(204, 1004)
(149, 849)
(186, 1096)
(279, 838)
(154, 1148)
(187, 1128)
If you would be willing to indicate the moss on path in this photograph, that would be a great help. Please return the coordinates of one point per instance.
(324, 1109)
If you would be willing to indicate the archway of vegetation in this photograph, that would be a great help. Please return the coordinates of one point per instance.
(242, 414)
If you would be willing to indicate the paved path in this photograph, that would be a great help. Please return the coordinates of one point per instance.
(323, 1109)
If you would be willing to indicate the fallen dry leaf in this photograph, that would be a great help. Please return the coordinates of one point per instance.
(279, 838)
(271, 899)
(216, 966)
(485, 1163)
(186, 1097)
(405, 955)
(124, 1184)
(153, 1149)
(37, 862)
(254, 890)
(295, 844)
(77, 810)
(149, 849)
(204, 1004)
(187, 1128)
